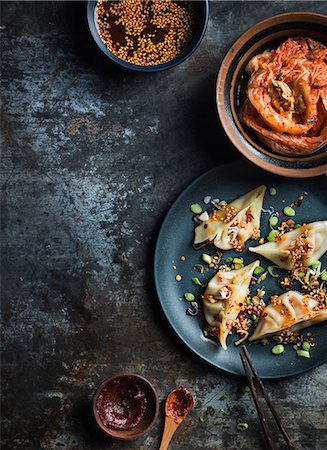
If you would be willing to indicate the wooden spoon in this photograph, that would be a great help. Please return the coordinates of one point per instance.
(178, 404)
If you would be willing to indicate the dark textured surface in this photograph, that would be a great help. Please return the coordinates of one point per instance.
(92, 158)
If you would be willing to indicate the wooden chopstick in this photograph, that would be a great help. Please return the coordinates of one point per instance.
(257, 403)
(246, 360)
(268, 400)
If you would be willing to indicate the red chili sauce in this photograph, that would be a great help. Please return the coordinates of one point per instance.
(180, 401)
(121, 404)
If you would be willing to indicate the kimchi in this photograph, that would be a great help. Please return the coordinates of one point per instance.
(286, 101)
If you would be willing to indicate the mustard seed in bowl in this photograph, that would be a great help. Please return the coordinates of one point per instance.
(145, 32)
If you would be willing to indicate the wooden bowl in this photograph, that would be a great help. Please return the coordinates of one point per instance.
(267, 34)
(151, 412)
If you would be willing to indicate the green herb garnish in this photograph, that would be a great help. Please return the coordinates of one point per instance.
(196, 208)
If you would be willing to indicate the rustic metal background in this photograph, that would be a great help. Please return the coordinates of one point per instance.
(92, 159)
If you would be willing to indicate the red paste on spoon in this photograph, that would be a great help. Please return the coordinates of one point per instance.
(179, 403)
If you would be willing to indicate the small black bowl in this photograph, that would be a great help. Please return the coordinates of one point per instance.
(202, 11)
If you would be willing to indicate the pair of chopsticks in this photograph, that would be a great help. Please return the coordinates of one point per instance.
(248, 364)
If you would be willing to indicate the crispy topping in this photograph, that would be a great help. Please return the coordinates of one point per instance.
(275, 300)
(238, 245)
(286, 283)
(287, 336)
(301, 248)
(211, 299)
(320, 295)
(255, 233)
(225, 214)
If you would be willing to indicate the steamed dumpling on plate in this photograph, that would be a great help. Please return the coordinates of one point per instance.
(297, 248)
(290, 310)
(224, 298)
(234, 224)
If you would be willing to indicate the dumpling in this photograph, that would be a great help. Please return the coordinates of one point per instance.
(297, 248)
(224, 297)
(290, 310)
(234, 224)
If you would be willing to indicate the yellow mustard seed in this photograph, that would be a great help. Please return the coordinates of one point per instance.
(145, 32)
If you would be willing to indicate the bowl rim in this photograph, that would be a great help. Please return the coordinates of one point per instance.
(109, 431)
(188, 51)
(288, 17)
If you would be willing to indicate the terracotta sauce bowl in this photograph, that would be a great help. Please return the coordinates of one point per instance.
(144, 404)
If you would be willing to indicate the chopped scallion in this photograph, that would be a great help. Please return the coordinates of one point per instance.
(315, 264)
(323, 275)
(189, 297)
(196, 208)
(307, 275)
(245, 389)
(206, 258)
(303, 354)
(278, 349)
(242, 426)
(272, 235)
(258, 270)
(196, 281)
(238, 260)
(273, 221)
(306, 346)
(288, 211)
(271, 271)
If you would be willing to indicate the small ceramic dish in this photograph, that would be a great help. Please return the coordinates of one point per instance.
(230, 86)
(202, 14)
(122, 398)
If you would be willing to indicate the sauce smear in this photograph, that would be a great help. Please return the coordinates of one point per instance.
(121, 404)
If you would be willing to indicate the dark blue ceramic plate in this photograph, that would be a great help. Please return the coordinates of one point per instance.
(175, 240)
